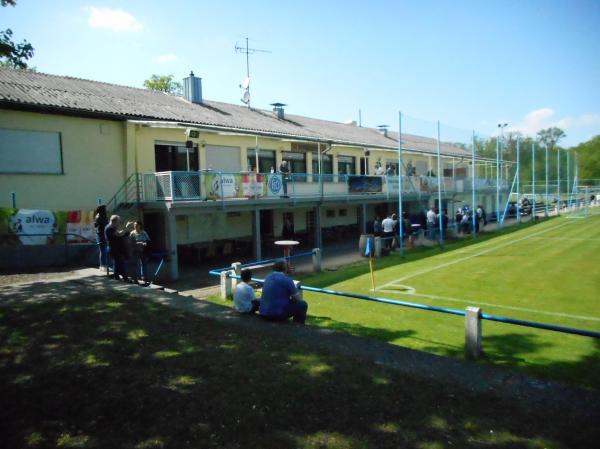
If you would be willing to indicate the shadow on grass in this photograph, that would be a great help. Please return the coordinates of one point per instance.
(386, 335)
(87, 367)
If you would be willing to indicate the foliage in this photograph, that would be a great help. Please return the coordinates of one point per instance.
(164, 83)
(589, 158)
(13, 55)
(549, 137)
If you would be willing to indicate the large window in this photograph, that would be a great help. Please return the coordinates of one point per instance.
(296, 163)
(326, 166)
(266, 160)
(30, 152)
(346, 165)
(175, 157)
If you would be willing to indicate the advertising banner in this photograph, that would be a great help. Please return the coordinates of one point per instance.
(365, 184)
(223, 186)
(45, 227)
(274, 185)
(253, 185)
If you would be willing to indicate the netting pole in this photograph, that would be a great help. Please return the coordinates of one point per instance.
(473, 208)
(534, 211)
(498, 181)
(546, 199)
(400, 170)
(558, 202)
(439, 169)
(518, 174)
(568, 180)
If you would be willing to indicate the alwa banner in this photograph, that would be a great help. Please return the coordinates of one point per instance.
(45, 227)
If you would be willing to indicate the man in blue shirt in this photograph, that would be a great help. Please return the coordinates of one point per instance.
(280, 298)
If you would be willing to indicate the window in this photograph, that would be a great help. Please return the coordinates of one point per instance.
(175, 157)
(30, 152)
(326, 166)
(330, 213)
(343, 212)
(346, 165)
(296, 163)
(266, 160)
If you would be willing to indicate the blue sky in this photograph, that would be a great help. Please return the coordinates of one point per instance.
(469, 64)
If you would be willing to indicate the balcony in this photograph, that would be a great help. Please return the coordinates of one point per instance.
(244, 186)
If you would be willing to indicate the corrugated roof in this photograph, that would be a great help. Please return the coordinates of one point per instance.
(39, 90)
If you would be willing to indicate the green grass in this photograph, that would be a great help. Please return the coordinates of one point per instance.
(104, 372)
(548, 272)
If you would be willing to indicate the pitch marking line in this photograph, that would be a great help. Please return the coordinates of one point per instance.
(462, 259)
(476, 302)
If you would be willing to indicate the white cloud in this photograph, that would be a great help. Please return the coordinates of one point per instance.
(166, 58)
(113, 19)
(545, 118)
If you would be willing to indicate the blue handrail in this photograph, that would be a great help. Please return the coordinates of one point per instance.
(499, 319)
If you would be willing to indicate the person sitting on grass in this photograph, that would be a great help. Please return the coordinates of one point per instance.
(243, 297)
(280, 297)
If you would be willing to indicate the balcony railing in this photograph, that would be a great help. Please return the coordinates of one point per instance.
(213, 185)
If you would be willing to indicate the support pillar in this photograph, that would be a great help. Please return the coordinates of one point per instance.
(473, 333)
(171, 240)
(363, 219)
(257, 242)
(318, 231)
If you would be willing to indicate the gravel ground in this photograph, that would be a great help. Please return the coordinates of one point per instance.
(37, 275)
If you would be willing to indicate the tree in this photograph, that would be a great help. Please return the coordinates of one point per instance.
(163, 83)
(588, 154)
(550, 137)
(13, 55)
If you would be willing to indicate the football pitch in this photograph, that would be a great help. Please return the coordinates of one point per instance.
(548, 273)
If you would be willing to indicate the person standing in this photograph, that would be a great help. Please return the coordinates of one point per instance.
(287, 232)
(388, 230)
(100, 223)
(285, 172)
(244, 300)
(117, 246)
(280, 298)
(140, 244)
(377, 229)
(431, 219)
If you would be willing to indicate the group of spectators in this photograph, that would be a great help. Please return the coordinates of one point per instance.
(464, 219)
(127, 246)
(280, 298)
(389, 229)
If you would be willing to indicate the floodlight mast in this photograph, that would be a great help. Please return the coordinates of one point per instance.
(248, 51)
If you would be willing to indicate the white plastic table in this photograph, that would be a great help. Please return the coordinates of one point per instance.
(287, 246)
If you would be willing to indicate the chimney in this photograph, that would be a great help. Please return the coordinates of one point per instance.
(278, 110)
(192, 89)
(383, 129)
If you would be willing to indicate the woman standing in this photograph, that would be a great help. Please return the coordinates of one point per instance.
(140, 241)
(100, 222)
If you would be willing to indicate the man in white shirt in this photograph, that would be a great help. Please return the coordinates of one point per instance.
(431, 218)
(388, 230)
(379, 171)
(243, 297)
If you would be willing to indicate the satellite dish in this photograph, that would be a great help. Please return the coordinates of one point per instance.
(245, 84)
(246, 97)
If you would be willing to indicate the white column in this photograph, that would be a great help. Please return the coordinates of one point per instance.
(473, 333)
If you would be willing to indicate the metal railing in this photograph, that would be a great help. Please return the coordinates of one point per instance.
(221, 186)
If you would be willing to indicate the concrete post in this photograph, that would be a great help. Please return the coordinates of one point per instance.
(473, 333)
(363, 219)
(377, 245)
(297, 284)
(171, 240)
(225, 285)
(316, 259)
(237, 269)
(318, 231)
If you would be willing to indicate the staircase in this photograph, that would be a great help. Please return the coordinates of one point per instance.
(127, 201)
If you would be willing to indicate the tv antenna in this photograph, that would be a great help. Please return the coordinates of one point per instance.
(245, 85)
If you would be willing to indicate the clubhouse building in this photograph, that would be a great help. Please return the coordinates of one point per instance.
(203, 175)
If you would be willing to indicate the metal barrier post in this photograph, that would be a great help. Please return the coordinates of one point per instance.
(225, 285)
(298, 285)
(237, 269)
(377, 245)
(473, 333)
(316, 259)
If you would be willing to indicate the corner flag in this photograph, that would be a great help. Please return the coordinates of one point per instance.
(369, 254)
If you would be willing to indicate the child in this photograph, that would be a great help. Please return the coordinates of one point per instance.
(243, 297)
